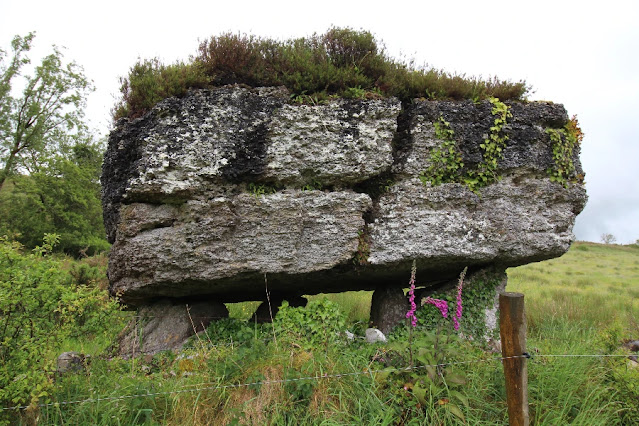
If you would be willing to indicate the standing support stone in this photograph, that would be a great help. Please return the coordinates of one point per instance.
(512, 325)
(388, 308)
(167, 326)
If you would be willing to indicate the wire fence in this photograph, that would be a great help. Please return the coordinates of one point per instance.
(211, 386)
(206, 342)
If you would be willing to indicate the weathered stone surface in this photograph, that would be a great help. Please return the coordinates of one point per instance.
(388, 308)
(188, 147)
(165, 325)
(520, 219)
(225, 245)
(70, 362)
(340, 144)
(184, 223)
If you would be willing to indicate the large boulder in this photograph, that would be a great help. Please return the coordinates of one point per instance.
(206, 194)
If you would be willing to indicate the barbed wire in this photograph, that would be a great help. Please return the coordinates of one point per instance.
(214, 386)
(209, 386)
(578, 355)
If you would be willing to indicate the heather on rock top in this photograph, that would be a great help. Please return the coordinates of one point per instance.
(339, 63)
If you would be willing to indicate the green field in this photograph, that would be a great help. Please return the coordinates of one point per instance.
(585, 302)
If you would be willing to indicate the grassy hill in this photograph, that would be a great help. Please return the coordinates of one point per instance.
(593, 284)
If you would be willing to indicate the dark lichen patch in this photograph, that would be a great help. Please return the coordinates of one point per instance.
(120, 165)
(248, 163)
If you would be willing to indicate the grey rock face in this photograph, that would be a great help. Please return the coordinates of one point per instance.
(189, 147)
(204, 195)
(233, 241)
(517, 220)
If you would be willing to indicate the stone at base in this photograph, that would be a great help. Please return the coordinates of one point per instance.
(374, 335)
(388, 308)
(632, 345)
(70, 362)
(167, 326)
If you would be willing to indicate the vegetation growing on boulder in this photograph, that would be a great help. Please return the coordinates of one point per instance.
(342, 63)
(564, 143)
(446, 161)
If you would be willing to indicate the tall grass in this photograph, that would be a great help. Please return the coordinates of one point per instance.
(581, 303)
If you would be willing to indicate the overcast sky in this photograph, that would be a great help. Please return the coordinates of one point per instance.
(582, 54)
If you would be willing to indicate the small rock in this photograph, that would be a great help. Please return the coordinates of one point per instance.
(494, 346)
(632, 345)
(349, 335)
(70, 362)
(374, 335)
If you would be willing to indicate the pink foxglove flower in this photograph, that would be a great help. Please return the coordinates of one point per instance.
(411, 297)
(460, 285)
(442, 305)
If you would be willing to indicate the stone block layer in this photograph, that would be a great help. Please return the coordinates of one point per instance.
(217, 193)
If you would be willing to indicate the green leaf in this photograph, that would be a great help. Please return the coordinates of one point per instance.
(420, 393)
(461, 397)
(455, 411)
(455, 378)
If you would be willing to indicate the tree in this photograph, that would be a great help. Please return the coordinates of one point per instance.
(49, 162)
(63, 196)
(608, 238)
(46, 116)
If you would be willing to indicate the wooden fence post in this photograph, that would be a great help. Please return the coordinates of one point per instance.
(512, 328)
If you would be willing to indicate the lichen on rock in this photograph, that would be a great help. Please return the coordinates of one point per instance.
(183, 222)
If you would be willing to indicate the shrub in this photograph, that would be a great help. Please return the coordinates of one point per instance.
(40, 307)
(341, 62)
(317, 324)
(150, 81)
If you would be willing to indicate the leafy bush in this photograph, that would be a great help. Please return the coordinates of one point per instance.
(446, 163)
(40, 307)
(342, 62)
(564, 143)
(91, 271)
(230, 330)
(318, 324)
